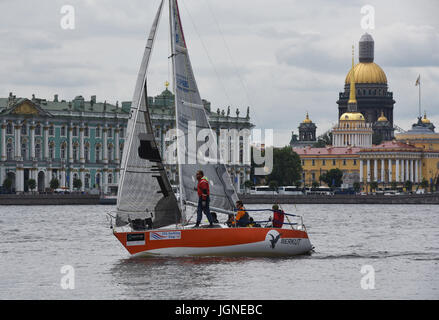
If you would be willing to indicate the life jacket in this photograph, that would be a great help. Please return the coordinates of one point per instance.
(278, 218)
(242, 218)
(203, 188)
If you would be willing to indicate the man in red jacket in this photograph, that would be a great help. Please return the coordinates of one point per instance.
(203, 198)
(278, 217)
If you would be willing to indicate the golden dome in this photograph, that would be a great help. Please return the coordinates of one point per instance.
(425, 120)
(367, 72)
(382, 118)
(307, 119)
(352, 116)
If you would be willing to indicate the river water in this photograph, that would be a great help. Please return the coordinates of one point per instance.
(397, 246)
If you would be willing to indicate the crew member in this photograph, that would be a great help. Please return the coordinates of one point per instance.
(242, 217)
(278, 217)
(203, 198)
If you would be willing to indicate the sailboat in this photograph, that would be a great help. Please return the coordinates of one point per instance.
(150, 220)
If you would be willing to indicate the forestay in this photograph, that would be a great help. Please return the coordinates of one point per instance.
(144, 189)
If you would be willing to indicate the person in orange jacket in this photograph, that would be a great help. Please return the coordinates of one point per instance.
(242, 217)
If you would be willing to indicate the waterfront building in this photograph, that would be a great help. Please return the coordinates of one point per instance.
(422, 135)
(79, 139)
(373, 97)
(411, 156)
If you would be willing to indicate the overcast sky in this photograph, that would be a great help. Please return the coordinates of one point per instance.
(280, 57)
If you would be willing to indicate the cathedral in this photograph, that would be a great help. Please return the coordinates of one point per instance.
(364, 146)
(374, 101)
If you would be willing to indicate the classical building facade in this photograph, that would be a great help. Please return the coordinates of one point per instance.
(79, 139)
(412, 156)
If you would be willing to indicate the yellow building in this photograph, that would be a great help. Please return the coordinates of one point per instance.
(412, 156)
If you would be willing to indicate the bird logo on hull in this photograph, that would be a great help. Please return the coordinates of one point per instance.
(273, 237)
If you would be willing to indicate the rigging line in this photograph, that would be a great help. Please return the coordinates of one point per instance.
(249, 101)
(207, 53)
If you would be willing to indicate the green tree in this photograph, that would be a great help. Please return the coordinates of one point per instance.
(315, 184)
(287, 168)
(333, 178)
(394, 185)
(77, 184)
(323, 140)
(373, 185)
(7, 184)
(408, 185)
(54, 183)
(357, 186)
(424, 184)
(32, 184)
(273, 185)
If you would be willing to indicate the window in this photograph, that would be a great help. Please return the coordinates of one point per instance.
(75, 131)
(9, 151)
(63, 131)
(9, 128)
(98, 179)
(38, 130)
(24, 129)
(121, 133)
(344, 162)
(87, 181)
(51, 131)
(110, 178)
(110, 152)
(333, 162)
(324, 162)
(24, 151)
(303, 162)
(51, 152)
(38, 151)
(98, 132)
(313, 176)
(75, 153)
(86, 153)
(63, 151)
(121, 151)
(355, 162)
(110, 132)
(98, 153)
(313, 162)
(86, 131)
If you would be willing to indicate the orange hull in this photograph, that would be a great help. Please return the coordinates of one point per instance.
(216, 241)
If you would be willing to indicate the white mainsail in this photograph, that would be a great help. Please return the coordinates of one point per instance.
(144, 188)
(189, 107)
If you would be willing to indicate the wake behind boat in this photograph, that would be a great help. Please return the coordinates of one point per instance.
(150, 220)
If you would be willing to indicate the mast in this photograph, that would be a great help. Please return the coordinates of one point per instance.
(179, 160)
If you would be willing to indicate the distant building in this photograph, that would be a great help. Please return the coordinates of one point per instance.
(373, 98)
(307, 134)
(413, 156)
(79, 139)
